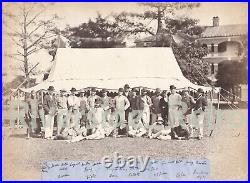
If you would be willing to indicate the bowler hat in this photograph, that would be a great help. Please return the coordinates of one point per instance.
(200, 90)
(51, 88)
(126, 86)
(104, 90)
(62, 90)
(172, 87)
(134, 90)
(93, 89)
(158, 90)
(120, 90)
(73, 90)
(82, 91)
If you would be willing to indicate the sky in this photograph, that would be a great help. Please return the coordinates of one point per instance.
(77, 13)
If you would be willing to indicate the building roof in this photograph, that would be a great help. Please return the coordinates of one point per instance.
(225, 30)
(112, 67)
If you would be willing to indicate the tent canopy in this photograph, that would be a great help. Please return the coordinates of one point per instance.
(111, 68)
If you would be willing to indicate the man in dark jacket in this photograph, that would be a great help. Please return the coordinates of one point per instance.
(199, 110)
(163, 105)
(155, 108)
(50, 109)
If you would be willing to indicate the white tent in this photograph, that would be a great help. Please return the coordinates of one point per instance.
(111, 68)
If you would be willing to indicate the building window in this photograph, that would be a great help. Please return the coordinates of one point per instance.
(212, 68)
(212, 47)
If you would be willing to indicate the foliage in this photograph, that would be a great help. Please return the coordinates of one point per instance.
(29, 31)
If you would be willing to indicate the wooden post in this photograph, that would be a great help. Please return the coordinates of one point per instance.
(218, 104)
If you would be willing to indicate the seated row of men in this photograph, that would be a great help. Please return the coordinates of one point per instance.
(163, 116)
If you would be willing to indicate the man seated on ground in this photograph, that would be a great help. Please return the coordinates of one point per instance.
(136, 128)
(158, 131)
(182, 132)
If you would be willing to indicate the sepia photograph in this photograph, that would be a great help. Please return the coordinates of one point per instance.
(125, 91)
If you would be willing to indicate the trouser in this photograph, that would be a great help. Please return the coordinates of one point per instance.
(127, 114)
(173, 116)
(95, 117)
(41, 116)
(145, 117)
(120, 119)
(200, 119)
(83, 115)
(107, 114)
(61, 120)
(154, 117)
(49, 124)
(164, 115)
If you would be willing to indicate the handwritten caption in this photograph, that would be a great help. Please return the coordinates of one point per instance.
(155, 170)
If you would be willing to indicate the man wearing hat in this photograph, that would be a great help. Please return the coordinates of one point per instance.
(174, 102)
(146, 100)
(62, 110)
(121, 104)
(158, 131)
(50, 109)
(155, 108)
(199, 110)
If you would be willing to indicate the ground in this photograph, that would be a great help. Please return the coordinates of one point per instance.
(226, 149)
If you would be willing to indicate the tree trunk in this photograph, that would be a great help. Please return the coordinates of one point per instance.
(159, 23)
(25, 51)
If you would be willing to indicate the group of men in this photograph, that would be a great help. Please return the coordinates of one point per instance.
(131, 113)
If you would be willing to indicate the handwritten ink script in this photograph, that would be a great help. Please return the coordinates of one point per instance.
(155, 170)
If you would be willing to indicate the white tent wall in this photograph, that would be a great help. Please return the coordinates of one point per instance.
(111, 68)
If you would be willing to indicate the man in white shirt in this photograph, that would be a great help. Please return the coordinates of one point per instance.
(93, 102)
(62, 110)
(121, 104)
(174, 102)
(147, 103)
(73, 108)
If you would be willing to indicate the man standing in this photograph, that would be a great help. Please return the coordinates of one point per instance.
(50, 109)
(146, 100)
(92, 101)
(163, 104)
(62, 111)
(156, 112)
(199, 110)
(126, 93)
(174, 106)
(187, 102)
(121, 105)
(84, 107)
(105, 104)
(33, 113)
(73, 107)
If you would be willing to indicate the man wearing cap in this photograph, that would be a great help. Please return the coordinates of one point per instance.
(126, 93)
(155, 108)
(163, 105)
(199, 110)
(50, 109)
(121, 104)
(62, 110)
(105, 104)
(174, 102)
(146, 100)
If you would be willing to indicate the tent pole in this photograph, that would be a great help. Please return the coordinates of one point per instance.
(18, 107)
